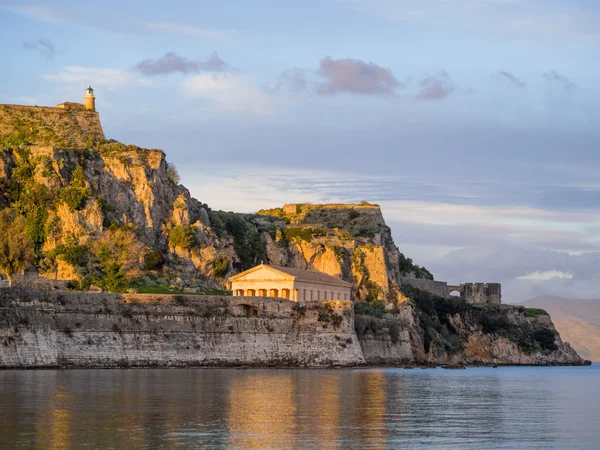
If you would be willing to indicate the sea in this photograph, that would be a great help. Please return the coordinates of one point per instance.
(370, 408)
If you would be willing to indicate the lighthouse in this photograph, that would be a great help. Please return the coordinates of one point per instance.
(89, 101)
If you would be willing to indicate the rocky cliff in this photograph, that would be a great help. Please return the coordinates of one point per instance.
(429, 330)
(84, 197)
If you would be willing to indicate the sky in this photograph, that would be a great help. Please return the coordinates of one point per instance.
(473, 123)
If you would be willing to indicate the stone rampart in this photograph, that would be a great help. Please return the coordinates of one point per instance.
(68, 329)
(49, 126)
(439, 288)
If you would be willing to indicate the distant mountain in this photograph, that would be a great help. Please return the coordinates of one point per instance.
(577, 321)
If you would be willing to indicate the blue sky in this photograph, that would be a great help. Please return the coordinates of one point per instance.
(474, 124)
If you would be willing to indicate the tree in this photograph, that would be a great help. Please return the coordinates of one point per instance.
(119, 253)
(16, 249)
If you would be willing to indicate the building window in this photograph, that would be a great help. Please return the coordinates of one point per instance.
(318, 295)
(304, 295)
(311, 295)
(325, 295)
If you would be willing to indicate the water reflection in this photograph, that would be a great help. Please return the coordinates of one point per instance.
(372, 408)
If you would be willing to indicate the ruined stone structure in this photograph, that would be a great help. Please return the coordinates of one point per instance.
(292, 284)
(471, 292)
(478, 292)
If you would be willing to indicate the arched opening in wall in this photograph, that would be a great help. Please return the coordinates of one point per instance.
(285, 293)
(262, 292)
(245, 309)
(251, 293)
(240, 293)
(455, 293)
(274, 293)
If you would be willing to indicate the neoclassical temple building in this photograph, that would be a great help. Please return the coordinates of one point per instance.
(293, 284)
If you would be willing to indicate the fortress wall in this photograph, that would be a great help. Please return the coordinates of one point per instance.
(439, 288)
(58, 329)
(48, 126)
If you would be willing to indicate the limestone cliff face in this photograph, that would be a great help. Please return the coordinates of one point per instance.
(409, 339)
(344, 240)
(122, 186)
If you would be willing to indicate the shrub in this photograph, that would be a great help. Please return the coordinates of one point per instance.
(183, 236)
(172, 174)
(221, 266)
(494, 322)
(353, 214)
(375, 309)
(298, 311)
(153, 260)
(75, 198)
(302, 233)
(534, 312)
(546, 339)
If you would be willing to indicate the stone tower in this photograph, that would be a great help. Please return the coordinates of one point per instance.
(89, 101)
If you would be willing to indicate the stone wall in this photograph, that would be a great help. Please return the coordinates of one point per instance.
(482, 292)
(41, 125)
(62, 329)
(439, 288)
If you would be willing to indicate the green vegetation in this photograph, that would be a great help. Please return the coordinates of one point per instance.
(535, 312)
(435, 315)
(374, 309)
(153, 260)
(77, 193)
(16, 250)
(407, 266)
(245, 230)
(172, 174)
(221, 266)
(327, 315)
(143, 288)
(306, 234)
(183, 237)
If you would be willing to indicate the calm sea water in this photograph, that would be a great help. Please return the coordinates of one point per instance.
(479, 408)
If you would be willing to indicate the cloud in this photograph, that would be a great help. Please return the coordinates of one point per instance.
(355, 76)
(109, 78)
(561, 79)
(36, 12)
(564, 21)
(435, 88)
(512, 79)
(229, 92)
(169, 27)
(545, 271)
(44, 46)
(546, 275)
(173, 63)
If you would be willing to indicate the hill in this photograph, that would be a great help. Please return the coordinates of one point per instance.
(99, 212)
(577, 321)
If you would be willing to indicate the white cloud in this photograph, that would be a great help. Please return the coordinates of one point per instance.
(110, 79)
(525, 17)
(36, 12)
(546, 275)
(170, 27)
(229, 92)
